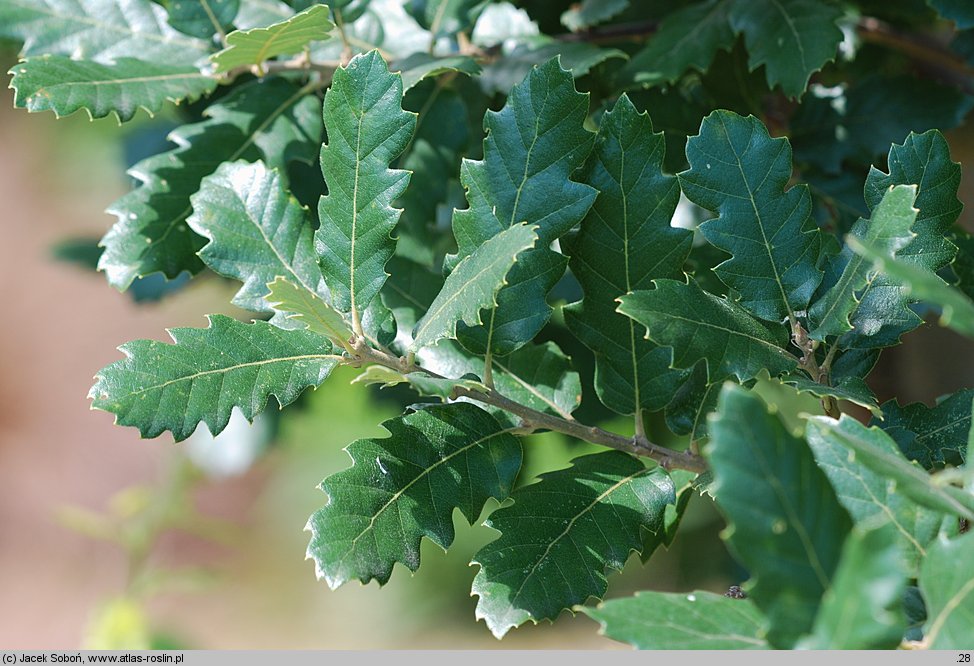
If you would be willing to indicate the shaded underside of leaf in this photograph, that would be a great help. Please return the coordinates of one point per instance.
(874, 449)
(870, 497)
(862, 609)
(947, 584)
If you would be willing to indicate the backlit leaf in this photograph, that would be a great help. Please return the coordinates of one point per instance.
(254, 46)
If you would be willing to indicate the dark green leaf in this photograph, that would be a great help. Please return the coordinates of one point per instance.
(932, 436)
(963, 265)
(626, 242)
(785, 524)
(695, 621)
(700, 326)
(870, 497)
(687, 39)
(254, 46)
(861, 611)
(419, 66)
(406, 486)
(203, 18)
(686, 413)
(947, 584)
(739, 171)
(257, 232)
(473, 284)
(888, 230)
(923, 160)
(561, 535)
(59, 84)
(207, 372)
(367, 129)
(270, 118)
(917, 283)
(444, 18)
(579, 58)
(442, 136)
(851, 389)
(532, 147)
(99, 30)
(793, 39)
(874, 449)
(876, 111)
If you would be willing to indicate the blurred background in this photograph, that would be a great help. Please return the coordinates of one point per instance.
(107, 540)
(110, 540)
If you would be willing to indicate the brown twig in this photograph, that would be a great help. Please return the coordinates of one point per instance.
(533, 419)
(923, 49)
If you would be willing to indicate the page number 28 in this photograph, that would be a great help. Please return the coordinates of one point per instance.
(964, 658)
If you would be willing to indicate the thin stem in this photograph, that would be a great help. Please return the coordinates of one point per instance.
(533, 419)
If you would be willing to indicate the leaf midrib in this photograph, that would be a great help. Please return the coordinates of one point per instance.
(571, 523)
(423, 474)
(231, 368)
